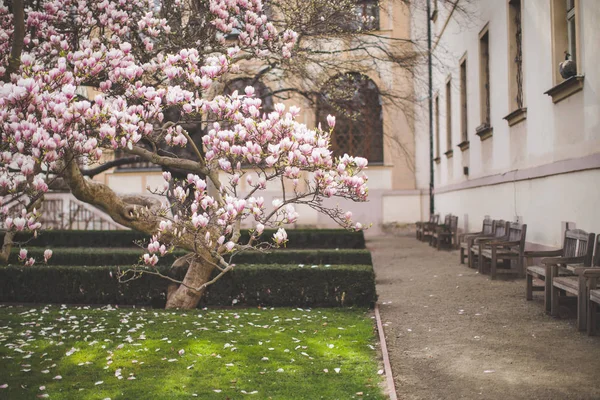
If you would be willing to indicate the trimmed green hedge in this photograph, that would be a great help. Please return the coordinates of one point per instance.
(130, 256)
(298, 238)
(249, 285)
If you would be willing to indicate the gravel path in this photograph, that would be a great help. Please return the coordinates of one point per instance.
(455, 334)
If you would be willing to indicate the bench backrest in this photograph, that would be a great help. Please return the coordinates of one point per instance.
(488, 226)
(500, 228)
(579, 243)
(517, 232)
(596, 262)
(453, 223)
(447, 219)
(434, 219)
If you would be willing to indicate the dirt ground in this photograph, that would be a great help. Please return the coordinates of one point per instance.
(455, 334)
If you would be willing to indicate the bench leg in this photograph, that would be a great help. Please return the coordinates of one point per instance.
(592, 318)
(548, 292)
(529, 287)
(554, 293)
(582, 300)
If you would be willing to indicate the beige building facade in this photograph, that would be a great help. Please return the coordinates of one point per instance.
(391, 177)
(512, 138)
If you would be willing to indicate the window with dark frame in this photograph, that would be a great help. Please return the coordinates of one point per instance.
(363, 15)
(464, 135)
(367, 12)
(355, 101)
(484, 70)
(236, 30)
(261, 91)
(571, 30)
(436, 110)
(449, 117)
(516, 55)
(568, 77)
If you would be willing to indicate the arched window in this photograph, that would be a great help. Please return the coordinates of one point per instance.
(260, 90)
(355, 101)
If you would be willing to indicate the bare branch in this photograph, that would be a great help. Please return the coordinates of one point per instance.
(110, 164)
(170, 162)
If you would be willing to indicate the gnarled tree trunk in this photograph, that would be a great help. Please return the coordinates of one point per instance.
(183, 296)
(6, 247)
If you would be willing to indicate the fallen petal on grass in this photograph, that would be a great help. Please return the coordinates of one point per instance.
(100, 352)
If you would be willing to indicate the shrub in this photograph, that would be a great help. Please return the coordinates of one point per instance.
(298, 238)
(130, 256)
(249, 285)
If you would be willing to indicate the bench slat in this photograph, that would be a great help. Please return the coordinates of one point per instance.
(567, 283)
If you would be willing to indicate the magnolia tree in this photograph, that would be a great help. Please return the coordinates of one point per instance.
(140, 72)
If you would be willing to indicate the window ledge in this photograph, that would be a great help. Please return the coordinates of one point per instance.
(520, 114)
(484, 131)
(449, 153)
(437, 160)
(566, 88)
(464, 145)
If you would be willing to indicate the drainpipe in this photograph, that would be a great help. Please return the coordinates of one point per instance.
(431, 200)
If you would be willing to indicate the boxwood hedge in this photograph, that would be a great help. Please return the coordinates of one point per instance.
(250, 285)
(298, 238)
(130, 256)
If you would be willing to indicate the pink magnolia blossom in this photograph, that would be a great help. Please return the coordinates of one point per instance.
(43, 118)
(280, 237)
(331, 121)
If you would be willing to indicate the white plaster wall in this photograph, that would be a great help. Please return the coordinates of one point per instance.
(126, 183)
(543, 203)
(155, 181)
(401, 208)
(551, 132)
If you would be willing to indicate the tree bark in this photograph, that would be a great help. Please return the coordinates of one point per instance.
(129, 210)
(184, 296)
(7, 246)
(14, 60)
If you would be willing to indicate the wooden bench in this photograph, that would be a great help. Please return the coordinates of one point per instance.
(446, 234)
(577, 283)
(467, 239)
(435, 229)
(507, 250)
(572, 252)
(479, 243)
(425, 225)
(593, 307)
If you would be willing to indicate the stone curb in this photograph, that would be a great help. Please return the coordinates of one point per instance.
(389, 378)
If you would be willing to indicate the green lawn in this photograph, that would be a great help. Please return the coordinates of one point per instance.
(86, 353)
